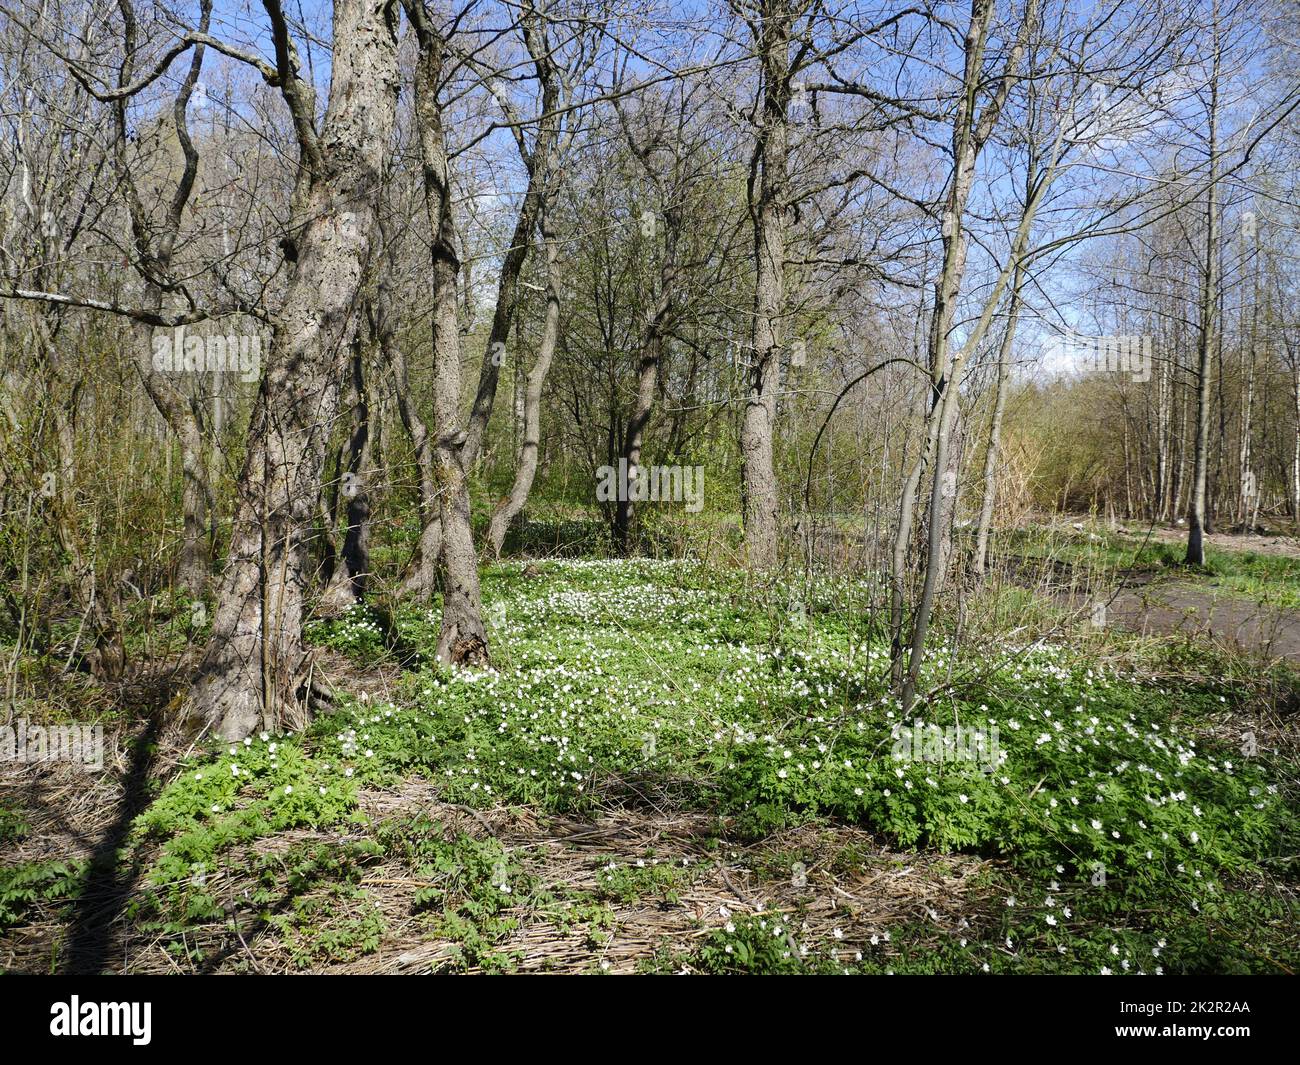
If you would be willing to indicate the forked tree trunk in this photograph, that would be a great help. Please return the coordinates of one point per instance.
(154, 256)
(538, 162)
(970, 133)
(946, 288)
(463, 639)
(526, 470)
(254, 670)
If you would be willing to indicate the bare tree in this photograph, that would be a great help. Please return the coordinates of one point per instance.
(971, 131)
(463, 640)
(254, 669)
(1198, 518)
(155, 249)
(771, 24)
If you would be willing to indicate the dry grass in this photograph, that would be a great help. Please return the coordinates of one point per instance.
(852, 883)
(718, 877)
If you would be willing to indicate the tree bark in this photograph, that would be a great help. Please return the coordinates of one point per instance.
(768, 205)
(991, 454)
(463, 639)
(350, 576)
(254, 667)
(526, 469)
(1196, 516)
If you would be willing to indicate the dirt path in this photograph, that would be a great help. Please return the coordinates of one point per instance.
(1271, 544)
(1163, 605)
(1182, 607)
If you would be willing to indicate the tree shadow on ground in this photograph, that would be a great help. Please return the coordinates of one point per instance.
(110, 881)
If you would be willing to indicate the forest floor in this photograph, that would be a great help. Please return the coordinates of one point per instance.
(676, 768)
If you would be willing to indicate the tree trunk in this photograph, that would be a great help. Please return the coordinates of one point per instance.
(1164, 403)
(463, 639)
(254, 668)
(193, 565)
(421, 575)
(1295, 447)
(970, 133)
(539, 163)
(995, 428)
(1249, 493)
(526, 470)
(154, 260)
(1197, 517)
(634, 433)
(965, 150)
(768, 206)
(106, 657)
(649, 365)
(349, 579)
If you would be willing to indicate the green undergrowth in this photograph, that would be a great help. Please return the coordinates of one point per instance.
(1096, 791)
